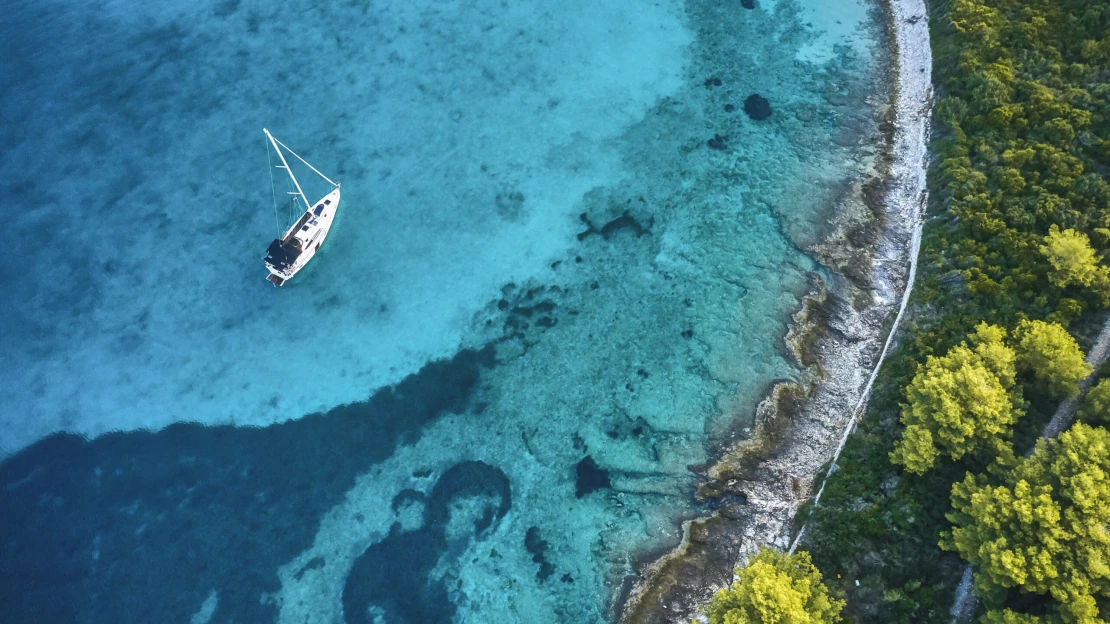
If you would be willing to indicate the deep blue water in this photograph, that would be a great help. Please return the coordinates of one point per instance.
(559, 279)
(132, 525)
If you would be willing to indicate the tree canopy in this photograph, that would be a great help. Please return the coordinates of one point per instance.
(1023, 135)
(1006, 616)
(1020, 202)
(1041, 527)
(1049, 353)
(1096, 405)
(961, 401)
(776, 588)
(1072, 258)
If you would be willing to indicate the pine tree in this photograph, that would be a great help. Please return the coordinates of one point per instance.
(776, 588)
(1049, 353)
(1096, 405)
(962, 401)
(1007, 616)
(1041, 527)
(1072, 258)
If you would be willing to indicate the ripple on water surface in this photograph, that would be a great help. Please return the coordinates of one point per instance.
(571, 238)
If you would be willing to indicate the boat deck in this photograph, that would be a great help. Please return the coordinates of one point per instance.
(293, 231)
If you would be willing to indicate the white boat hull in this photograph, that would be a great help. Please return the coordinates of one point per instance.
(290, 253)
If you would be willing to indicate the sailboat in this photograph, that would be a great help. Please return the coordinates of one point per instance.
(290, 253)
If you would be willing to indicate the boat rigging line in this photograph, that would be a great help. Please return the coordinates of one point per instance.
(273, 191)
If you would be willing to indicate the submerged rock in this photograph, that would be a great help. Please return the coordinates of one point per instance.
(747, 4)
(589, 477)
(624, 222)
(757, 107)
(536, 546)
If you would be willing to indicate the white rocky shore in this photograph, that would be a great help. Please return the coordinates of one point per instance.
(841, 335)
(905, 205)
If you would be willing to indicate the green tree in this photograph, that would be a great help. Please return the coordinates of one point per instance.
(776, 588)
(1026, 93)
(1042, 529)
(959, 402)
(1072, 258)
(1096, 405)
(1007, 616)
(1049, 353)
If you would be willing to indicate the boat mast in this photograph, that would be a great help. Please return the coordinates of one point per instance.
(285, 165)
(305, 162)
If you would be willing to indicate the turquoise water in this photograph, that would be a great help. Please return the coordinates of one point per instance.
(558, 281)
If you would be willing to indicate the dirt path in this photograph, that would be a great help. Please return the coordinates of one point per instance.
(1065, 414)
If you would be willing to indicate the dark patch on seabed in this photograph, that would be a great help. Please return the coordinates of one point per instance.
(392, 578)
(140, 527)
(537, 547)
(589, 477)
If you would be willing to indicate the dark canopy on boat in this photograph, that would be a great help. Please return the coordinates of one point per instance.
(280, 255)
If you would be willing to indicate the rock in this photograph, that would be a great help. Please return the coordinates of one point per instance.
(889, 484)
(510, 204)
(717, 142)
(589, 477)
(729, 108)
(536, 546)
(757, 107)
(735, 512)
(624, 222)
(546, 570)
(838, 96)
(699, 533)
(846, 137)
(407, 497)
(747, 4)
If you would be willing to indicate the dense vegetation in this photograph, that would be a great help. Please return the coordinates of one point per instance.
(1011, 268)
(1040, 524)
(967, 400)
(776, 588)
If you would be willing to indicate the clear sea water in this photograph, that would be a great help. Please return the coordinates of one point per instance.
(560, 278)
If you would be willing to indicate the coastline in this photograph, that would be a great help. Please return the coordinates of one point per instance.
(838, 337)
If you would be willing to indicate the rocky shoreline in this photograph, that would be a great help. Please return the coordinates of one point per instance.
(839, 336)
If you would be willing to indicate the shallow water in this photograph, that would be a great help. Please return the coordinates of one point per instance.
(559, 277)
